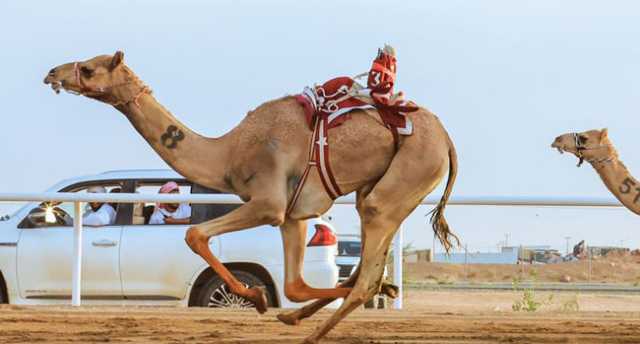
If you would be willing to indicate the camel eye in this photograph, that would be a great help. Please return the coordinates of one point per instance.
(583, 139)
(86, 71)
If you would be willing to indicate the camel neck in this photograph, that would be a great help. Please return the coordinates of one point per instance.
(620, 182)
(199, 159)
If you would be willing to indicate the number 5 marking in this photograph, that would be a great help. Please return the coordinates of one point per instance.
(626, 186)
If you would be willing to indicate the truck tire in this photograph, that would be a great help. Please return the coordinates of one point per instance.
(216, 294)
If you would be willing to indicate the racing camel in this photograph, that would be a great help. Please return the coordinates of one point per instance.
(595, 147)
(265, 159)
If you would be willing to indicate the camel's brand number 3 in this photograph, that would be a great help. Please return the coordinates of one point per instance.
(171, 137)
(626, 186)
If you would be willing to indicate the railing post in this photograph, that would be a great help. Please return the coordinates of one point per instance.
(397, 267)
(589, 258)
(466, 261)
(77, 254)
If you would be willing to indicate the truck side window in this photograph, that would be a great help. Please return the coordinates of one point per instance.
(59, 214)
(143, 212)
(205, 212)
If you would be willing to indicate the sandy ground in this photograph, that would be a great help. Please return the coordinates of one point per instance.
(429, 317)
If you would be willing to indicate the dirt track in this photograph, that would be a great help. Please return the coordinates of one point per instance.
(470, 318)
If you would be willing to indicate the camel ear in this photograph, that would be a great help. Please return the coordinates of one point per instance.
(117, 59)
(604, 135)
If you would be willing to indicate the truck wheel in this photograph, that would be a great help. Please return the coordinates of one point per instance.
(216, 294)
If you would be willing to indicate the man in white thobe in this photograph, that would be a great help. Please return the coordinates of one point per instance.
(171, 213)
(98, 214)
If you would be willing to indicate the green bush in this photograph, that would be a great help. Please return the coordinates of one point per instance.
(528, 302)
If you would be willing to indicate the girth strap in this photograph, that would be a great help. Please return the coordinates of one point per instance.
(318, 157)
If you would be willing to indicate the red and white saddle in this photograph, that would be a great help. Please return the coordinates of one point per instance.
(329, 105)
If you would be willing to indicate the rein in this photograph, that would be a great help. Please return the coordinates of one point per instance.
(88, 91)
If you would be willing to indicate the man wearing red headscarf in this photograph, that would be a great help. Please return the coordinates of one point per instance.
(171, 213)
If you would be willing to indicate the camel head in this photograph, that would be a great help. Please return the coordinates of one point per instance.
(593, 145)
(104, 78)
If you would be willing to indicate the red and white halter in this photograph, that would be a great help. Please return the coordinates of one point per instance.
(329, 105)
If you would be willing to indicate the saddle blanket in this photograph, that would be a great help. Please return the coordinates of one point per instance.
(336, 98)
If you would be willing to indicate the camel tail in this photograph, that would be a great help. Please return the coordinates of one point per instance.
(440, 226)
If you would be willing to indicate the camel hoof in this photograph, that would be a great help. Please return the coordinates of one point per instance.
(288, 318)
(259, 299)
(390, 290)
(310, 341)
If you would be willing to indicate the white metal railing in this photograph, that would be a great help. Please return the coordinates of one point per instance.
(349, 199)
(79, 198)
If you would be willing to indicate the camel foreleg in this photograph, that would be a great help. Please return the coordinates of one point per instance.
(251, 214)
(294, 234)
(368, 282)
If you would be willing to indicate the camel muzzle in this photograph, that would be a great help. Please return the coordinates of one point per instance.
(60, 78)
(557, 145)
(561, 147)
(56, 85)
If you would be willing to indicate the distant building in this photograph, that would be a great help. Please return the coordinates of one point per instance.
(605, 250)
(535, 253)
(526, 247)
(507, 257)
(418, 256)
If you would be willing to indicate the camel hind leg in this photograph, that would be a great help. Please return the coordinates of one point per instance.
(293, 317)
(379, 233)
(407, 181)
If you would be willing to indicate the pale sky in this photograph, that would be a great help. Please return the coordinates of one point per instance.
(505, 77)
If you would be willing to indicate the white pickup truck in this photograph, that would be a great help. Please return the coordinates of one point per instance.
(132, 262)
